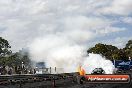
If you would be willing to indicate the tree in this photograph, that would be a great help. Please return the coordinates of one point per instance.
(25, 59)
(4, 47)
(104, 50)
(13, 60)
(112, 52)
(129, 45)
(17, 58)
(128, 49)
(4, 51)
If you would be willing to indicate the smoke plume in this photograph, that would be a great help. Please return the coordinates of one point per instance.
(97, 61)
(63, 52)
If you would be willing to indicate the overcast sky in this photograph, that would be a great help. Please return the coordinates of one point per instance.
(85, 22)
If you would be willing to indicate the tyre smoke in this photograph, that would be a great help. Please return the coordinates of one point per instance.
(61, 52)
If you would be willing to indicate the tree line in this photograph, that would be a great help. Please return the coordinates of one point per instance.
(8, 58)
(112, 52)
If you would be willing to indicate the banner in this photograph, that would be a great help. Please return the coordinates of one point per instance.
(107, 78)
(126, 65)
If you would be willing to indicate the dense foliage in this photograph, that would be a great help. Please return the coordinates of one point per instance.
(112, 52)
(12, 59)
(4, 47)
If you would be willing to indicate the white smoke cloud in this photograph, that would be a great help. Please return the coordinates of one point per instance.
(97, 61)
(58, 51)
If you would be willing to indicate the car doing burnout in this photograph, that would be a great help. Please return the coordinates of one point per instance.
(98, 71)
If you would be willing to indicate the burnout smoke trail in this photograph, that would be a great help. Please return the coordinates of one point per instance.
(60, 52)
(97, 61)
